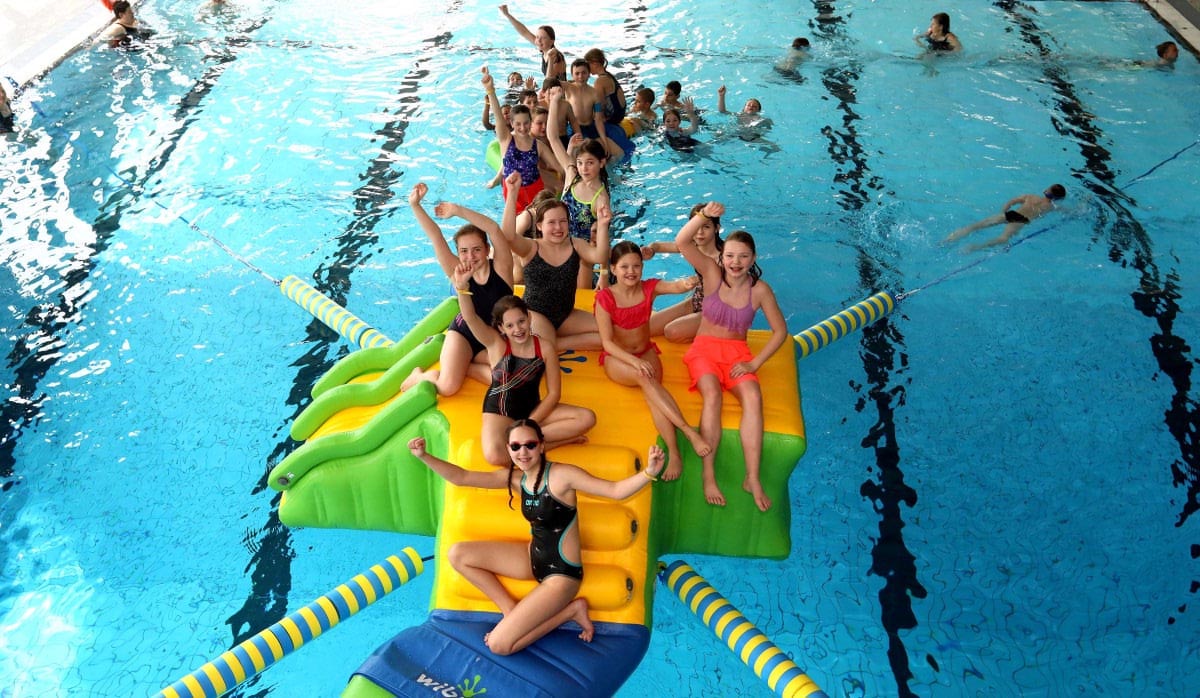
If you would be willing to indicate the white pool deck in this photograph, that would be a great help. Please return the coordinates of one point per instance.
(36, 34)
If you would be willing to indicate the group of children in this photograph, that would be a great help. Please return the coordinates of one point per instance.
(555, 147)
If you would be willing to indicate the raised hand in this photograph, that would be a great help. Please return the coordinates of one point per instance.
(655, 460)
(416, 446)
(419, 190)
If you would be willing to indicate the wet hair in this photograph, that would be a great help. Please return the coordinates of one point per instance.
(119, 7)
(527, 93)
(621, 249)
(519, 109)
(675, 87)
(540, 199)
(504, 305)
(580, 62)
(541, 111)
(539, 213)
(1162, 48)
(549, 31)
(595, 55)
(944, 20)
(671, 110)
(468, 230)
(752, 99)
(800, 43)
(537, 429)
(748, 240)
(596, 149)
(1056, 191)
(646, 93)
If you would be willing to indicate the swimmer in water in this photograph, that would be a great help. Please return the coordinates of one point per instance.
(1029, 207)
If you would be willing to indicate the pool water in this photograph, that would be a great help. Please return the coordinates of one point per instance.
(998, 493)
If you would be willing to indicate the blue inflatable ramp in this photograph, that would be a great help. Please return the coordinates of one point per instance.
(446, 655)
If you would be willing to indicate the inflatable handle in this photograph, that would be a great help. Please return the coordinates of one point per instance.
(252, 656)
(382, 358)
(376, 392)
(356, 442)
(746, 641)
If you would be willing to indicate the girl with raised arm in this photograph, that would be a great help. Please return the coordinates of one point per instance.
(519, 149)
(519, 361)
(630, 358)
(554, 64)
(491, 279)
(551, 264)
(679, 322)
(548, 494)
(719, 358)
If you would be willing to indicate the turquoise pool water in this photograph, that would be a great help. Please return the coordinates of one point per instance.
(998, 491)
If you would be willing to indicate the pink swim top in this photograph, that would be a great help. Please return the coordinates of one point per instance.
(634, 316)
(720, 313)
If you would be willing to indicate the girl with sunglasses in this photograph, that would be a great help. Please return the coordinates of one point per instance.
(548, 494)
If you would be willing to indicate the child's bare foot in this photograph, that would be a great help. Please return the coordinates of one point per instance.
(698, 443)
(674, 466)
(417, 376)
(712, 493)
(580, 615)
(754, 487)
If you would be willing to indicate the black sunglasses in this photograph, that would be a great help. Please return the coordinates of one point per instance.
(528, 445)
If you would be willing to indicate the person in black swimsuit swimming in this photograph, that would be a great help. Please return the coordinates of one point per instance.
(1031, 206)
(519, 361)
(462, 353)
(938, 38)
(548, 494)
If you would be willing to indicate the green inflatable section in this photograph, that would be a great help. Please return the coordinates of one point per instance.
(356, 442)
(376, 359)
(383, 489)
(377, 391)
(738, 529)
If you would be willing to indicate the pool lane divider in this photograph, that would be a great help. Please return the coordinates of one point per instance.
(834, 328)
(231, 668)
(334, 316)
(768, 662)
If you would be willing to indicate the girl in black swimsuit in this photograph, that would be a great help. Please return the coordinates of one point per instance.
(462, 353)
(519, 361)
(552, 557)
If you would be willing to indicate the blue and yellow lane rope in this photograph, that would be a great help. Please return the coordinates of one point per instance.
(768, 662)
(252, 656)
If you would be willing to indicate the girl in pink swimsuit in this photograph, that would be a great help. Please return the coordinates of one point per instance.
(720, 359)
(630, 358)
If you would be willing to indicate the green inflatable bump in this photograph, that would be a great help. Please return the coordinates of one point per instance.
(356, 442)
(376, 392)
(384, 489)
(376, 359)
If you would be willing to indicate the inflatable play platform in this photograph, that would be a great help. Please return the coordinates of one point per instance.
(354, 471)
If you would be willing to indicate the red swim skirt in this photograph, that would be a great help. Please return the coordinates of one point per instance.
(717, 356)
(525, 196)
